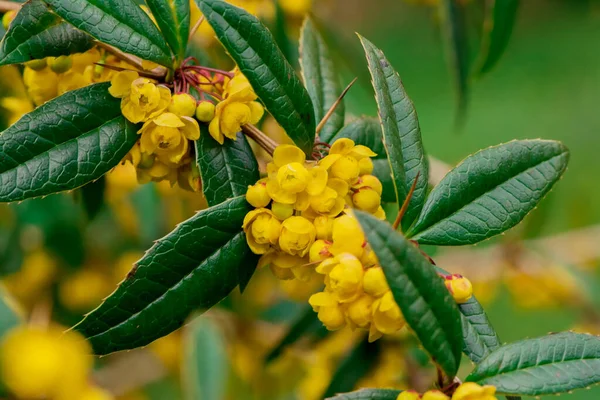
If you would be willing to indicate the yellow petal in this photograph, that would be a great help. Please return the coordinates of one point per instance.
(215, 131)
(169, 120)
(287, 153)
(256, 111)
(342, 146)
(191, 130)
(121, 83)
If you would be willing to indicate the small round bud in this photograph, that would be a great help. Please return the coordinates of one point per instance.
(8, 18)
(205, 112)
(365, 166)
(370, 181)
(61, 64)
(319, 251)
(434, 395)
(36, 65)
(460, 288)
(409, 395)
(282, 211)
(182, 104)
(257, 195)
(366, 199)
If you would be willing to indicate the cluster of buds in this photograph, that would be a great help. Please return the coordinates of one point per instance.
(466, 391)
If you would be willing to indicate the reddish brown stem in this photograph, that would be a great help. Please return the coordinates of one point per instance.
(404, 207)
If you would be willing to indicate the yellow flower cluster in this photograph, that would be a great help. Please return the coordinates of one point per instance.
(163, 152)
(302, 226)
(466, 391)
(44, 363)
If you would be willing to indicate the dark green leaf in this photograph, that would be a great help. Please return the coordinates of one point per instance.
(253, 48)
(92, 197)
(64, 144)
(206, 362)
(368, 394)
(497, 29)
(552, 364)
(401, 132)
(426, 304)
(367, 131)
(36, 33)
(479, 336)
(354, 367)
(226, 169)
(489, 192)
(10, 316)
(173, 19)
(321, 79)
(192, 268)
(120, 23)
(280, 28)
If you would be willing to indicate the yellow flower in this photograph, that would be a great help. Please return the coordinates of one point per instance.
(257, 194)
(319, 251)
(460, 288)
(120, 84)
(282, 211)
(348, 236)
(145, 101)
(95, 393)
(360, 311)
(328, 203)
(167, 136)
(365, 166)
(368, 181)
(297, 235)
(84, 289)
(329, 311)
(296, 8)
(409, 395)
(324, 227)
(366, 199)
(434, 395)
(343, 160)
(293, 177)
(374, 282)
(183, 105)
(387, 317)
(70, 81)
(42, 85)
(262, 230)
(205, 112)
(282, 264)
(17, 107)
(472, 391)
(346, 278)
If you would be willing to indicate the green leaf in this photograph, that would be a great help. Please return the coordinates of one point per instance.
(173, 19)
(307, 324)
(120, 23)
(479, 337)
(367, 131)
(280, 28)
(206, 361)
(355, 366)
(36, 33)
(497, 29)
(192, 268)
(489, 192)
(253, 48)
(401, 132)
(368, 394)
(419, 291)
(92, 197)
(552, 364)
(226, 169)
(64, 144)
(320, 78)
(10, 315)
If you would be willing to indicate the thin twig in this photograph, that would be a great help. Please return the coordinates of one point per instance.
(158, 73)
(9, 6)
(145, 74)
(404, 207)
(195, 27)
(334, 106)
(260, 137)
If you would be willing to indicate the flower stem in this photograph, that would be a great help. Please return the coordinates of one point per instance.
(260, 137)
(158, 73)
(9, 6)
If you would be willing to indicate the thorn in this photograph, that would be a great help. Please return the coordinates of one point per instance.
(404, 207)
(195, 28)
(334, 106)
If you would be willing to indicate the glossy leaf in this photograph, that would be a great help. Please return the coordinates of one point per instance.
(355, 366)
(320, 78)
(368, 394)
(255, 52)
(206, 361)
(173, 19)
(92, 197)
(497, 29)
(426, 304)
(120, 23)
(367, 131)
(64, 144)
(226, 169)
(192, 268)
(401, 132)
(552, 364)
(36, 33)
(479, 337)
(489, 192)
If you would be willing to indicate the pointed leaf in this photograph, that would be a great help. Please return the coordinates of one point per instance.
(194, 267)
(489, 192)
(497, 29)
(367, 131)
(36, 33)
(253, 48)
(479, 337)
(226, 169)
(426, 304)
(173, 19)
(552, 364)
(401, 132)
(64, 144)
(368, 394)
(120, 23)
(320, 78)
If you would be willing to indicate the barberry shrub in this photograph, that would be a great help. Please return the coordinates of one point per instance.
(317, 212)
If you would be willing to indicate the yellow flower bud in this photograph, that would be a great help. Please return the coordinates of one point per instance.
(409, 395)
(8, 18)
(319, 251)
(84, 289)
(329, 311)
(324, 227)
(95, 393)
(359, 311)
(71, 80)
(346, 278)
(262, 230)
(460, 288)
(365, 166)
(387, 317)
(374, 282)
(293, 177)
(257, 194)
(346, 168)
(434, 395)
(42, 85)
(297, 235)
(472, 391)
(366, 199)
(60, 64)
(183, 105)
(368, 181)
(205, 112)
(37, 65)
(282, 211)
(327, 203)
(347, 236)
